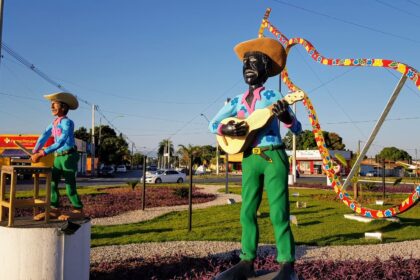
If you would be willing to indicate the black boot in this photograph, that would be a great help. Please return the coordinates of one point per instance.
(240, 271)
(286, 272)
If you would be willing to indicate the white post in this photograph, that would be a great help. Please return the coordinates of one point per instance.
(169, 155)
(217, 158)
(294, 151)
(92, 164)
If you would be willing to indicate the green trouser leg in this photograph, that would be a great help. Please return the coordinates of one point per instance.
(257, 173)
(65, 165)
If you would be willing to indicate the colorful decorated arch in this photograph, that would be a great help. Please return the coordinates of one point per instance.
(328, 164)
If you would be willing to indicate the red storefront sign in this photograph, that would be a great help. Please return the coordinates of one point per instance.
(28, 141)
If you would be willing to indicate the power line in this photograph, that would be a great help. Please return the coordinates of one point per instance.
(44, 76)
(397, 8)
(413, 2)
(331, 96)
(347, 21)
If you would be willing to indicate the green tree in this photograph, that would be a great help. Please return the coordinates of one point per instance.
(163, 147)
(113, 150)
(185, 153)
(208, 152)
(110, 148)
(82, 134)
(394, 154)
(306, 140)
(138, 159)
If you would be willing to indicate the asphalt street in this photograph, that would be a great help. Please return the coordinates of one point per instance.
(130, 175)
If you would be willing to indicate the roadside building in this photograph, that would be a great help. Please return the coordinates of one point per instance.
(307, 161)
(11, 154)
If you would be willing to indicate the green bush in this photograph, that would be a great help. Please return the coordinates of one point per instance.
(132, 184)
(370, 186)
(181, 192)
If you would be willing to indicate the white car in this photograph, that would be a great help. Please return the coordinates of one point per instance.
(165, 176)
(121, 168)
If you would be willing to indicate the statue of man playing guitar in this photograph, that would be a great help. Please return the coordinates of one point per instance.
(265, 163)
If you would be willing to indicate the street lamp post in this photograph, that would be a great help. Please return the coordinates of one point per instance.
(217, 148)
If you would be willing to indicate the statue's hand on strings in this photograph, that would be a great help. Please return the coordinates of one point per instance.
(282, 112)
(235, 129)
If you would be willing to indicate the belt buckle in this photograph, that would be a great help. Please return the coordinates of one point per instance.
(256, 151)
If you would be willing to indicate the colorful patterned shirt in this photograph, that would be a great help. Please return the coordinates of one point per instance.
(62, 129)
(239, 108)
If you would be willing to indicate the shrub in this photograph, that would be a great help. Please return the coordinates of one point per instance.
(132, 184)
(181, 192)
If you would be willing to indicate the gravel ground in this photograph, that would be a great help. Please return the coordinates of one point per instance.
(151, 213)
(404, 249)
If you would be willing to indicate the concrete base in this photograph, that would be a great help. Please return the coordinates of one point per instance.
(43, 251)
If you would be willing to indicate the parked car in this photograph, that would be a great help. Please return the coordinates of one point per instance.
(374, 173)
(165, 176)
(107, 171)
(201, 170)
(121, 168)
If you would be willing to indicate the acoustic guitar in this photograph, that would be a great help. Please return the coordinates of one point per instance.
(257, 120)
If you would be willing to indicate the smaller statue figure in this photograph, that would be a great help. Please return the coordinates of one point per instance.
(66, 156)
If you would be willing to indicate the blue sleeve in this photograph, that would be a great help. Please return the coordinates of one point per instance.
(229, 110)
(43, 139)
(67, 128)
(296, 127)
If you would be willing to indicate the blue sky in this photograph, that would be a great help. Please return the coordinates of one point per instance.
(153, 67)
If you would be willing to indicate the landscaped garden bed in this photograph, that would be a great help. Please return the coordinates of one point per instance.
(107, 202)
(180, 267)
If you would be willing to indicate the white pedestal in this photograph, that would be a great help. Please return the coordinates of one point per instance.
(291, 181)
(44, 252)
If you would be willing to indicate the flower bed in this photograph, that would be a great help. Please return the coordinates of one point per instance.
(118, 200)
(180, 267)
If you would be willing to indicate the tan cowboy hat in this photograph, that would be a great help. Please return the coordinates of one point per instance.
(272, 48)
(64, 97)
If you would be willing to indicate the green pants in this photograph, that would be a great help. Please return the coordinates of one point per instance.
(256, 174)
(66, 166)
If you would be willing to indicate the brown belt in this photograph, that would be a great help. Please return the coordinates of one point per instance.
(69, 151)
(261, 150)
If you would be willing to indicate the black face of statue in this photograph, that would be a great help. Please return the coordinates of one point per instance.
(255, 68)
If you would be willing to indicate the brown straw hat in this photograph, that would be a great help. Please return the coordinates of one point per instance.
(272, 48)
(64, 97)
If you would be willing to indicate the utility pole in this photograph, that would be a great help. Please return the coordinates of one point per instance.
(132, 154)
(217, 158)
(355, 184)
(169, 155)
(92, 146)
(1, 24)
(383, 178)
(217, 147)
(417, 174)
(227, 162)
(294, 151)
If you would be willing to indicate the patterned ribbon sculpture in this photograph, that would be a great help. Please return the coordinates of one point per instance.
(329, 167)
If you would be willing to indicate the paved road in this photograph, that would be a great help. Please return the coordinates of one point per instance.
(122, 178)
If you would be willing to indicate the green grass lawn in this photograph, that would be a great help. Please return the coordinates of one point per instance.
(321, 223)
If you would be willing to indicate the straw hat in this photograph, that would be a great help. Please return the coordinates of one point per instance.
(64, 97)
(272, 48)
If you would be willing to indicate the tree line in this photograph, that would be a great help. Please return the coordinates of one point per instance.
(112, 148)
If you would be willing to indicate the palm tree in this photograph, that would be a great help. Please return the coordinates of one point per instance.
(185, 153)
(164, 146)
